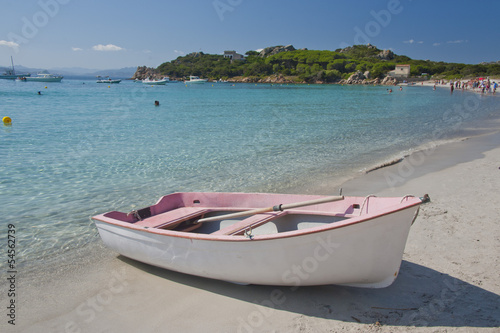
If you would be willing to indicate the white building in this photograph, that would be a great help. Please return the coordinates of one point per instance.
(233, 55)
(400, 71)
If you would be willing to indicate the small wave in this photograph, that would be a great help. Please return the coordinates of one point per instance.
(386, 164)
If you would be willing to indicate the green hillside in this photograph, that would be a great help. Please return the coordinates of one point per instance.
(317, 66)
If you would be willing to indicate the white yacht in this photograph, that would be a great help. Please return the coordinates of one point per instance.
(195, 79)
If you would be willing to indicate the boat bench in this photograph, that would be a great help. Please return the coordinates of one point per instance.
(252, 221)
(172, 217)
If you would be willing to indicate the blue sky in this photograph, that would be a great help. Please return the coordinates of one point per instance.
(108, 34)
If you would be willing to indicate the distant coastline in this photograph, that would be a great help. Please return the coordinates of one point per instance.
(358, 64)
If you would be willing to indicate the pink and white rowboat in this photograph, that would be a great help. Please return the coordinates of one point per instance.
(302, 240)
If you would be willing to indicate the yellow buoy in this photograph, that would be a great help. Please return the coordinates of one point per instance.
(45, 87)
(7, 121)
(109, 86)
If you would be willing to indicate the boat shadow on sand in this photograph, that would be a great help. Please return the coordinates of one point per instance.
(420, 297)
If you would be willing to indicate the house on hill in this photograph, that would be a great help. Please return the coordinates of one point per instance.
(233, 55)
(402, 71)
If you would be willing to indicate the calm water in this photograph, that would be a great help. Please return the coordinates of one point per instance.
(83, 148)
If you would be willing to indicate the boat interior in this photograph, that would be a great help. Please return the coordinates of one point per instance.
(185, 217)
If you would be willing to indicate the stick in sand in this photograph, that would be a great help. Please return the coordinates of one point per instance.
(271, 209)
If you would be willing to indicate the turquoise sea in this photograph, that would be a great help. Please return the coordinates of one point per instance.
(83, 148)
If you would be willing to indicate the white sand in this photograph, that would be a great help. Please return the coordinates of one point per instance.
(449, 279)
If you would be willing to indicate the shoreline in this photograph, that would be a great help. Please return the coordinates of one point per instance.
(97, 290)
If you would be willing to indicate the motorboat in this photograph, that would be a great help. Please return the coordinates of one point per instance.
(44, 77)
(155, 82)
(195, 79)
(107, 79)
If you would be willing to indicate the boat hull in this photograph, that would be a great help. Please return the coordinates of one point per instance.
(108, 81)
(13, 77)
(366, 253)
(37, 79)
(155, 83)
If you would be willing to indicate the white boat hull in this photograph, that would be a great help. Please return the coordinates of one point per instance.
(195, 79)
(38, 79)
(108, 81)
(155, 83)
(366, 254)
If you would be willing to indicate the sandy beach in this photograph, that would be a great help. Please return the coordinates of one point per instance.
(448, 280)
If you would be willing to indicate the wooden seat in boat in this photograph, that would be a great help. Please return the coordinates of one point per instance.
(252, 221)
(172, 217)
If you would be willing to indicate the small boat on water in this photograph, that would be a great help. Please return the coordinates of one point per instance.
(163, 81)
(107, 79)
(195, 79)
(44, 77)
(301, 240)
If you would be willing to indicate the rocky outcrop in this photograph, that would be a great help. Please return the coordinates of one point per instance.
(386, 55)
(276, 79)
(144, 72)
(389, 81)
(269, 51)
(351, 48)
(356, 78)
(362, 78)
(383, 54)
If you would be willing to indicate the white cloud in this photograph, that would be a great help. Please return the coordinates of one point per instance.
(436, 44)
(109, 47)
(457, 41)
(411, 41)
(179, 52)
(76, 49)
(13, 45)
